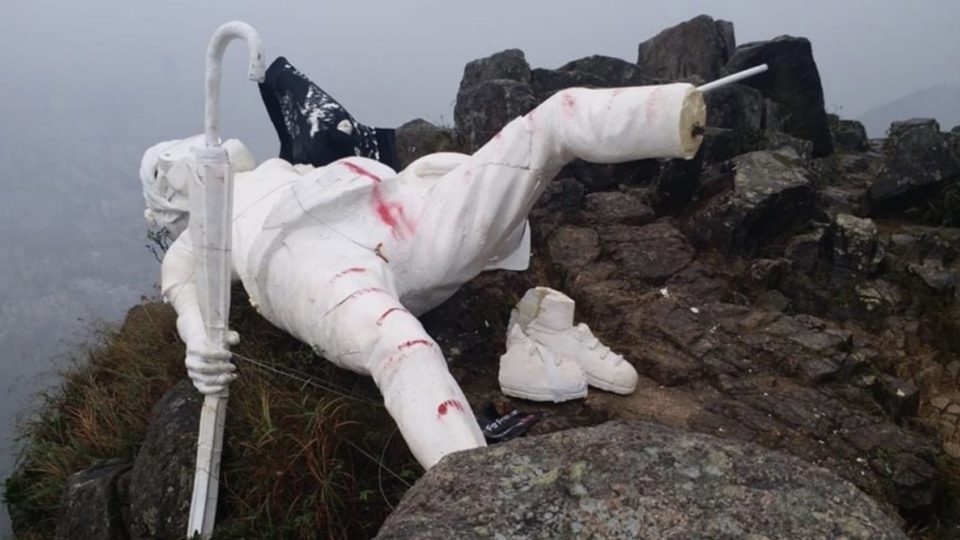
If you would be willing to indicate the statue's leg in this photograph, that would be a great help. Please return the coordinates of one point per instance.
(340, 298)
(476, 207)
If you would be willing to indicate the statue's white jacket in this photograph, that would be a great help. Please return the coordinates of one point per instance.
(345, 256)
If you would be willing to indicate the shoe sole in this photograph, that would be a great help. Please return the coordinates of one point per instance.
(533, 396)
(609, 387)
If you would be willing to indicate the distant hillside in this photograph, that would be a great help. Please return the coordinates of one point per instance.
(941, 102)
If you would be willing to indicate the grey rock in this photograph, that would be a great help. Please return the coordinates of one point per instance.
(919, 159)
(779, 141)
(509, 64)
(573, 248)
(483, 110)
(792, 83)
(91, 508)
(695, 50)
(856, 245)
(650, 254)
(161, 481)
(850, 136)
(418, 138)
(572, 484)
(900, 398)
(677, 184)
(768, 195)
(768, 273)
(606, 177)
(618, 207)
(934, 275)
(741, 109)
(493, 91)
(592, 71)
(806, 251)
(562, 194)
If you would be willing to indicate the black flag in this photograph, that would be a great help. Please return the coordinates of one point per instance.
(313, 128)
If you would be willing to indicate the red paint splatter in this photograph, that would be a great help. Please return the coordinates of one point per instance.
(388, 312)
(653, 101)
(391, 213)
(360, 292)
(412, 342)
(356, 169)
(569, 103)
(617, 92)
(347, 271)
(448, 404)
(391, 360)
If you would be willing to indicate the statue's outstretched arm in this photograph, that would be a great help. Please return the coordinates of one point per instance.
(208, 366)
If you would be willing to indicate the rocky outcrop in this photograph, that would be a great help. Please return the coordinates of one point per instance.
(764, 196)
(919, 159)
(572, 484)
(419, 137)
(493, 91)
(695, 50)
(592, 72)
(93, 503)
(161, 481)
(793, 86)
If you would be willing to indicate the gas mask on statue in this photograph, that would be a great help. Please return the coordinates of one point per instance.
(166, 172)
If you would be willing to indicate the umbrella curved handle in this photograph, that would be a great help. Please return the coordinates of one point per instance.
(255, 71)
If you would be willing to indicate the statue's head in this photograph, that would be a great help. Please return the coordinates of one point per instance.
(166, 171)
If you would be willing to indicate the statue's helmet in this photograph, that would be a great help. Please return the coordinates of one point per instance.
(166, 172)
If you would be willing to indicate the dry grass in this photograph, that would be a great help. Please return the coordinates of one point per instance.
(302, 460)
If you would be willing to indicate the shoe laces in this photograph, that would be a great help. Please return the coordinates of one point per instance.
(585, 336)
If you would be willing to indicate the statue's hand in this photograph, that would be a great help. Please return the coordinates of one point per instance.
(210, 368)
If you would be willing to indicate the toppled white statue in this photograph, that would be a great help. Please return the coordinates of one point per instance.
(549, 358)
(344, 257)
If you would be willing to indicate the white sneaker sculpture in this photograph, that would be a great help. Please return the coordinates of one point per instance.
(544, 317)
(529, 370)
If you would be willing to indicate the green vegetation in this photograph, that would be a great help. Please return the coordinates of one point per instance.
(309, 449)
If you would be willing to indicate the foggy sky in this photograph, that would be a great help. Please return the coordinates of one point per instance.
(390, 61)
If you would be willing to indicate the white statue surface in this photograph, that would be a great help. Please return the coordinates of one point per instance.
(346, 256)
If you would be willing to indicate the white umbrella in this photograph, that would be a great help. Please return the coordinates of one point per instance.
(211, 204)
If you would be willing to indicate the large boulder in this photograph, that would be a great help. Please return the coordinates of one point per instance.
(493, 91)
(593, 71)
(91, 507)
(848, 135)
(632, 480)
(919, 160)
(161, 481)
(767, 194)
(695, 50)
(739, 108)
(792, 83)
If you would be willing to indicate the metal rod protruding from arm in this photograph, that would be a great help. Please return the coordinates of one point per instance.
(218, 44)
(730, 79)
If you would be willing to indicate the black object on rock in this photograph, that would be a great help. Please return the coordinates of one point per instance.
(509, 426)
(313, 127)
